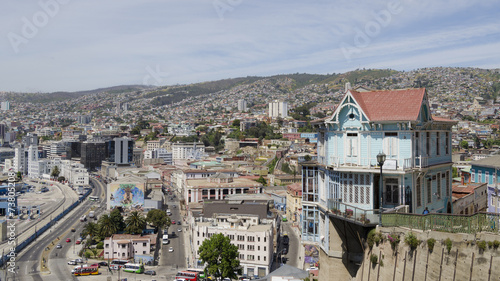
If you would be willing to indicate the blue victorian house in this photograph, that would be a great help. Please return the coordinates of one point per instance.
(413, 171)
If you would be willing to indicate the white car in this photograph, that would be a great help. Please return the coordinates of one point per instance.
(171, 249)
(179, 229)
(72, 262)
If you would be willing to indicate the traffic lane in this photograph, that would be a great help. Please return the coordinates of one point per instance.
(31, 258)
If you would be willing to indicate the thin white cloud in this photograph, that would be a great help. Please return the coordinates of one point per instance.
(90, 44)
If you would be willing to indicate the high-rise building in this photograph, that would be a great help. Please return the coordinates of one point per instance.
(278, 109)
(5, 105)
(2, 131)
(242, 105)
(93, 152)
(122, 151)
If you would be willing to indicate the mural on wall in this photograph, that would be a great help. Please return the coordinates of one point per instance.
(128, 196)
(311, 255)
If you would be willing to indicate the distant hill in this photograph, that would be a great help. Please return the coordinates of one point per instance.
(58, 96)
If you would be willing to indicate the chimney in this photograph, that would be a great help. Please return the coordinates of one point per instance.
(462, 179)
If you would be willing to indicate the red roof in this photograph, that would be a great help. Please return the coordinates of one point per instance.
(392, 105)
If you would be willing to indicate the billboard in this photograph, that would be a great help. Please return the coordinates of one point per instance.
(129, 196)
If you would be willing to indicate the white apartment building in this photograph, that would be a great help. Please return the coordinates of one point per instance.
(5, 105)
(242, 105)
(278, 109)
(33, 166)
(253, 238)
(20, 160)
(123, 150)
(159, 153)
(128, 246)
(57, 149)
(188, 150)
(74, 172)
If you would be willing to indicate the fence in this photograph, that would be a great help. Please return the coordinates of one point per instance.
(40, 231)
(444, 222)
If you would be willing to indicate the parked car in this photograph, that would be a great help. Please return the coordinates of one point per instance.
(178, 222)
(73, 229)
(150, 272)
(68, 240)
(72, 262)
(79, 261)
(95, 264)
(173, 222)
(59, 246)
(171, 249)
(179, 229)
(103, 263)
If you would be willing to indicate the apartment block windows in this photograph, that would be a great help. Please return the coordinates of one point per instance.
(251, 238)
(251, 247)
(241, 238)
(391, 144)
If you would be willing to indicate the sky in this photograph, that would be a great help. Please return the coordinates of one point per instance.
(72, 45)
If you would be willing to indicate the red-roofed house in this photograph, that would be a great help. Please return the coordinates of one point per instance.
(347, 183)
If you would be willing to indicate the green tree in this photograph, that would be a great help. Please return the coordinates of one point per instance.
(60, 179)
(19, 176)
(107, 226)
(55, 172)
(464, 144)
(236, 123)
(117, 219)
(220, 256)
(135, 223)
(262, 180)
(158, 219)
(454, 172)
(307, 157)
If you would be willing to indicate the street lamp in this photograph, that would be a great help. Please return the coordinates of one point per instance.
(380, 160)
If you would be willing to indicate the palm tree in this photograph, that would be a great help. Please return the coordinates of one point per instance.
(107, 226)
(135, 222)
(91, 229)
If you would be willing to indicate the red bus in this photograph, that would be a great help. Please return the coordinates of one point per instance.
(187, 275)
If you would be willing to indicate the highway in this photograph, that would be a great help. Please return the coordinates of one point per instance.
(28, 261)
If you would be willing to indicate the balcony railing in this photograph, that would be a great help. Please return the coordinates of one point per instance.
(352, 213)
(362, 162)
(444, 222)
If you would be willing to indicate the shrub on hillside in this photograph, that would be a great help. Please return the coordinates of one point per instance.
(448, 244)
(430, 244)
(412, 241)
(481, 245)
